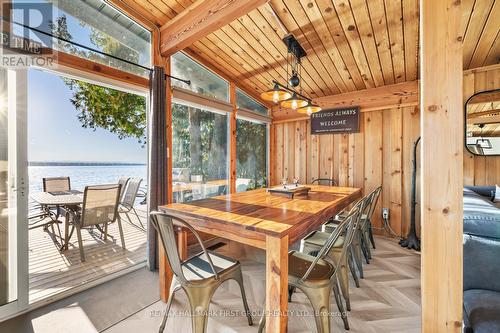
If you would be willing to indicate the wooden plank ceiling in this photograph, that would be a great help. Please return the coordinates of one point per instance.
(351, 44)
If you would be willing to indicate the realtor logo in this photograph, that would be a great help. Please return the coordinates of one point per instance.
(25, 34)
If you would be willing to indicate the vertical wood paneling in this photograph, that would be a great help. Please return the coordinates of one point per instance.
(373, 158)
(325, 155)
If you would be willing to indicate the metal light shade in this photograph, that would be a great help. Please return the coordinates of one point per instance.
(294, 102)
(310, 108)
(276, 94)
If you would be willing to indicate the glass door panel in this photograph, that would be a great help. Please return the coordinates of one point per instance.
(13, 193)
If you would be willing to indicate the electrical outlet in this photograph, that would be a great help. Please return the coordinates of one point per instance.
(385, 213)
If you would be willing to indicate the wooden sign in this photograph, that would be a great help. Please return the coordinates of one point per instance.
(336, 121)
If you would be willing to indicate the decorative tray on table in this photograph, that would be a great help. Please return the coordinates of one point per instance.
(289, 190)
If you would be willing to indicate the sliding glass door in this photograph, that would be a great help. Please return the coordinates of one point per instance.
(13, 193)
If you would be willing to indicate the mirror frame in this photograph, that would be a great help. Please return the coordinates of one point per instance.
(465, 119)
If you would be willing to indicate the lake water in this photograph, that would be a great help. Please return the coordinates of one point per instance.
(81, 176)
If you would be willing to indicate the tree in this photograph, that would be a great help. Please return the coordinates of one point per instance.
(100, 107)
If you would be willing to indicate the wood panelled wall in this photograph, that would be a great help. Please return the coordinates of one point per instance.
(380, 154)
(481, 170)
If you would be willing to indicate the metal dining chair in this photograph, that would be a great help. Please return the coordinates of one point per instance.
(127, 200)
(199, 276)
(316, 276)
(312, 244)
(324, 181)
(100, 207)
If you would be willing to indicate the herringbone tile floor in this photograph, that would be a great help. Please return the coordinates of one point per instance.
(388, 299)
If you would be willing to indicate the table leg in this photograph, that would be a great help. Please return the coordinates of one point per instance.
(182, 240)
(66, 231)
(276, 284)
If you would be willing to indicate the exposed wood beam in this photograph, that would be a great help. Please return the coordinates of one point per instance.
(483, 113)
(441, 121)
(385, 97)
(98, 71)
(485, 120)
(200, 19)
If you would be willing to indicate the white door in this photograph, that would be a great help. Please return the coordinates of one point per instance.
(13, 193)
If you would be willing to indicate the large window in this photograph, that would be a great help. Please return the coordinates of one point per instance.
(94, 24)
(251, 155)
(199, 153)
(203, 81)
(243, 101)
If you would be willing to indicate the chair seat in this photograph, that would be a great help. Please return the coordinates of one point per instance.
(198, 268)
(298, 264)
(319, 238)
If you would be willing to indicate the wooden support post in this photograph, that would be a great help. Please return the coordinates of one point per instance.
(271, 156)
(232, 138)
(442, 165)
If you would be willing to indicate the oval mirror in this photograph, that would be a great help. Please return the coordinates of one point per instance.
(482, 123)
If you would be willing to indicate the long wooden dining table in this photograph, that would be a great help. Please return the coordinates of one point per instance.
(269, 222)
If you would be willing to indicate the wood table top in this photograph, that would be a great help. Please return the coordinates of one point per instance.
(264, 214)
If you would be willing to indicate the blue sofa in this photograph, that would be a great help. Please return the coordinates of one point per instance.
(481, 261)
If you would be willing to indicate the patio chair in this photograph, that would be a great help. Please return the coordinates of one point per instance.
(127, 201)
(100, 207)
(316, 276)
(324, 181)
(123, 181)
(56, 184)
(312, 244)
(50, 184)
(199, 276)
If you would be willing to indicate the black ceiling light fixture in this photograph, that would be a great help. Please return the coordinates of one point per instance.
(287, 94)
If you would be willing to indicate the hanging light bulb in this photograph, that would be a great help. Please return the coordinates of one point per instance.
(309, 109)
(294, 102)
(276, 94)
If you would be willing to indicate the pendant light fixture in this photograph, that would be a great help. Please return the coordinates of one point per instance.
(309, 109)
(275, 95)
(286, 95)
(294, 102)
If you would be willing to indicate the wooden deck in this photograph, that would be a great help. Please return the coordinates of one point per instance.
(52, 272)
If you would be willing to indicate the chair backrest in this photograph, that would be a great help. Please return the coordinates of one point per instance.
(324, 181)
(123, 182)
(375, 194)
(100, 204)
(56, 184)
(130, 194)
(164, 225)
(346, 228)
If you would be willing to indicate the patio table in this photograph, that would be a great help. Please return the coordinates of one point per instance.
(59, 199)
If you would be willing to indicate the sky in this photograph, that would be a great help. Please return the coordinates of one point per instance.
(56, 134)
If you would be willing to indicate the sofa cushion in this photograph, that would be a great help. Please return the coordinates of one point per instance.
(481, 216)
(481, 263)
(482, 308)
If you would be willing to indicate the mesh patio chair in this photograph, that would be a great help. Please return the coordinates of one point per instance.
(199, 276)
(317, 276)
(50, 184)
(123, 181)
(100, 207)
(127, 201)
(324, 181)
(56, 184)
(313, 243)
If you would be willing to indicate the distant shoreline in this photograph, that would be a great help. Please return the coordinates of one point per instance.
(84, 164)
